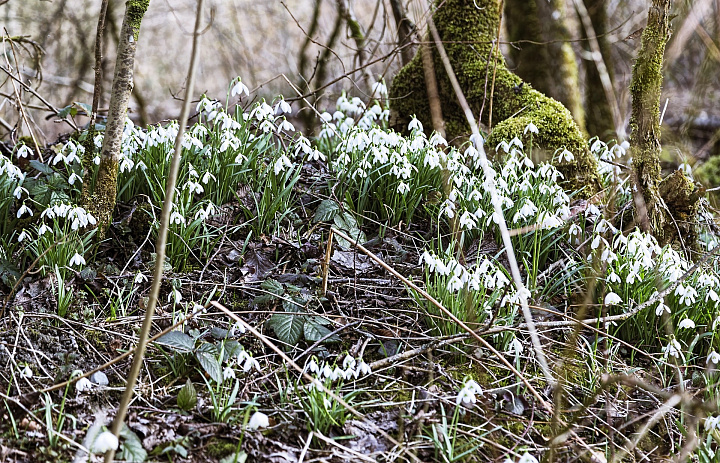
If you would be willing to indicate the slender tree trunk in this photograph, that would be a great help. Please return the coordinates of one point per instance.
(103, 198)
(598, 113)
(668, 207)
(542, 55)
(404, 29)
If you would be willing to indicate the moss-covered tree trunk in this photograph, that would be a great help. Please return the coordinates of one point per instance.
(469, 30)
(102, 201)
(667, 208)
(598, 114)
(541, 52)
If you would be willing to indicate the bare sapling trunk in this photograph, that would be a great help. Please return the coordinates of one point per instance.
(102, 201)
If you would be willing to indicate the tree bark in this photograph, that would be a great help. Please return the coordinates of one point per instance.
(548, 63)
(102, 201)
(667, 208)
(469, 29)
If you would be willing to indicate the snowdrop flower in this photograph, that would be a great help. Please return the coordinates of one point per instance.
(712, 422)
(527, 458)
(713, 357)
(23, 236)
(27, 372)
(139, 278)
(687, 294)
(23, 151)
(566, 156)
(283, 106)
(515, 347)
(312, 366)
(661, 307)
(237, 328)
(686, 323)
(415, 125)
(177, 218)
(23, 210)
(83, 385)
(612, 299)
(349, 362)
(327, 371)
(239, 88)
(74, 177)
(104, 442)
(316, 155)
(613, 278)
(467, 221)
(363, 368)
(711, 294)
(286, 126)
(403, 188)
(228, 373)
(379, 89)
(468, 392)
(258, 420)
(531, 128)
(19, 192)
(250, 362)
(77, 260)
(673, 349)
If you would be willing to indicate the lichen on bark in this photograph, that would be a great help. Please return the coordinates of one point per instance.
(469, 29)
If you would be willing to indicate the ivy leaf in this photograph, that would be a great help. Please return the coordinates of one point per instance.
(187, 397)
(131, 448)
(287, 327)
(326, 211)
(178, 341)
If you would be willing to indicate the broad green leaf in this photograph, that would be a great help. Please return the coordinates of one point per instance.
(272, 286)
(347, 223)
(178, 341)
(41, 167)
(131, 448)
(210, 364)
(288, 328)
(314, 331)
(326, 211)
(187, 397)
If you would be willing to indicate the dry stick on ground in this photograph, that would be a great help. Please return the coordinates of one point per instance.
(162, 239)
(461, 324)
(313, 381)
(502, 225)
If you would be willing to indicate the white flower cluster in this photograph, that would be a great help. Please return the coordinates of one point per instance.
(244, 360)
(351, 368)
(484, 275)
(467, 394)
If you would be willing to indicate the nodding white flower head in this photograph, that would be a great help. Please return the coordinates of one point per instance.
(312, 366)
(713, 357)
(686, 323)
(348, 362)
(104, 442)
(83, 385)
(712, 422)
(77, 259)
(673, 349)
(27, 372)
(239, 88)
(566, 156)
(661, 307)
(530, 128)
(258, 420)
(228, 373)
(468, 392)
(612, 299)
(515, 347)
(379, 90)
(24, 210)
(363, 368)
(527, 458)
(283, 107)
(23, 236)
(415, 125)
(139, 278)
(23, 151)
